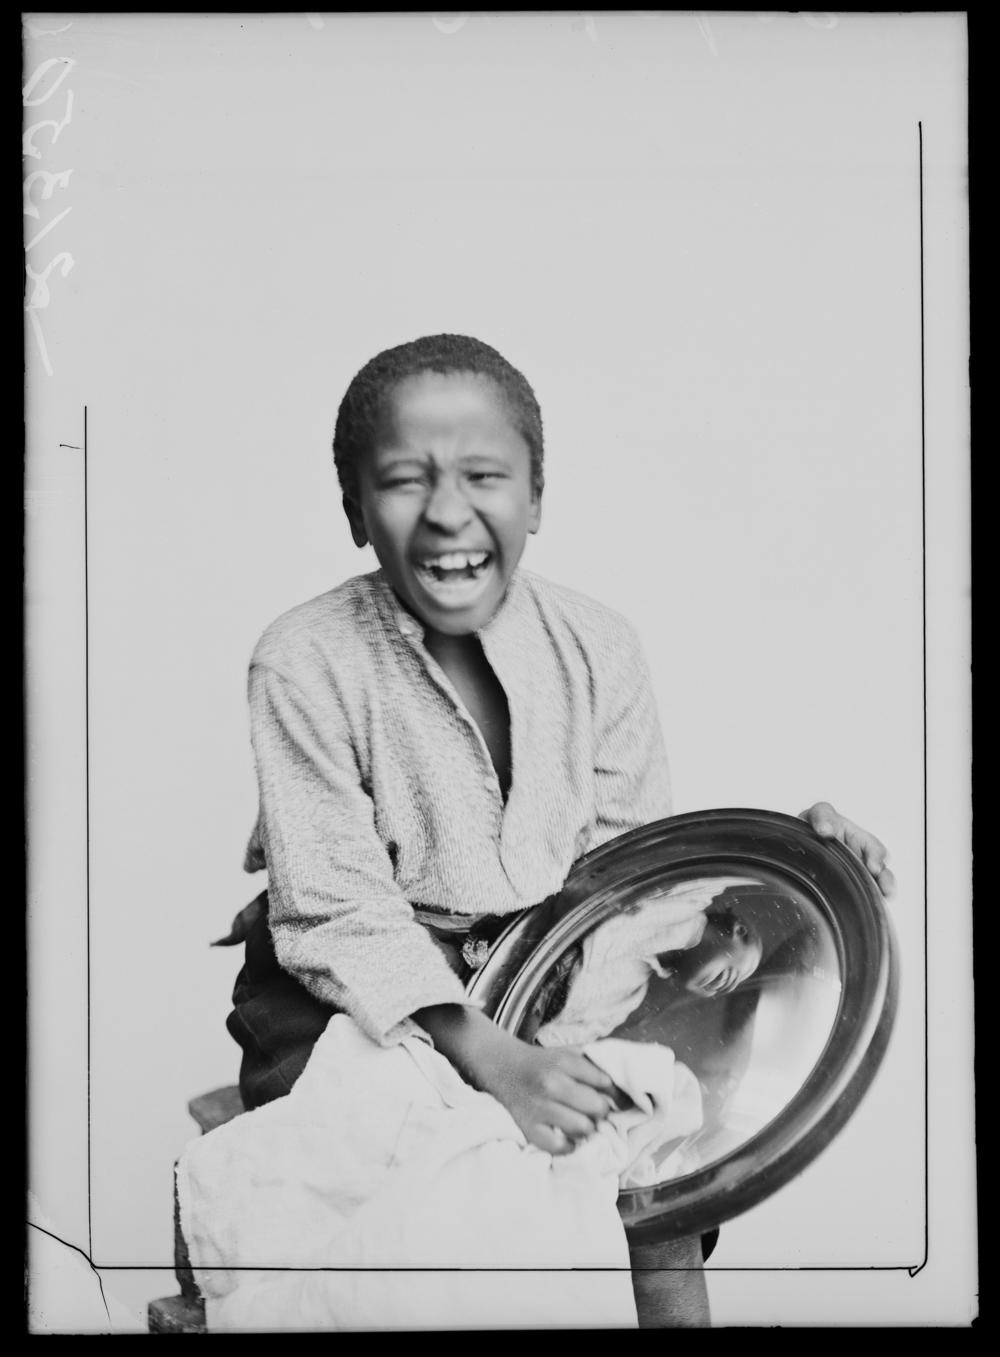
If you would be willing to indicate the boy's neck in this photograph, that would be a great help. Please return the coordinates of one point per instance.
(449, 650)
(463, 660)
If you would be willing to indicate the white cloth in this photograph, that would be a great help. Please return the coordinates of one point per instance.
(667, 1107)
(384, 1158)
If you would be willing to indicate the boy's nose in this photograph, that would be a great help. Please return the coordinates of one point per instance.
(447, 507)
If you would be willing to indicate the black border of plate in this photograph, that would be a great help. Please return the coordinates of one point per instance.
(729, 842)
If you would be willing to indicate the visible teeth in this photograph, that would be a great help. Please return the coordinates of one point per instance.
(458, 560)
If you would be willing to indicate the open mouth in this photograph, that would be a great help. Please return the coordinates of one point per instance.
(712, 985)
(453, 567)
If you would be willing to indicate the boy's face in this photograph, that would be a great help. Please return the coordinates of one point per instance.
(720, 962)
(445, 498)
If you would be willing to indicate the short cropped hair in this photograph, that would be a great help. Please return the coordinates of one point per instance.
(363, 401)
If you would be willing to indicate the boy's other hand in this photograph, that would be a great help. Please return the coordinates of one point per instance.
(830, 824)
(557, 1098)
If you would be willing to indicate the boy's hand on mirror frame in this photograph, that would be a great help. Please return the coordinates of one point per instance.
(830, 824)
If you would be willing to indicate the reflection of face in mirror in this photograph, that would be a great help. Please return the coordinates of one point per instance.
(735, 980)
(599, 982)
(729, 952)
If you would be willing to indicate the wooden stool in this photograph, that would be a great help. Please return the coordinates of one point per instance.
(186, 1313)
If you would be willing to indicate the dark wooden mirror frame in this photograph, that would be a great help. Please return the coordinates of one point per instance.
(729, 842)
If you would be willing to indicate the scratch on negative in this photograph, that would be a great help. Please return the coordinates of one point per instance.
(706, 32)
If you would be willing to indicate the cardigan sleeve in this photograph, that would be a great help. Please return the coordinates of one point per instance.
(340, 924)
(631, 775)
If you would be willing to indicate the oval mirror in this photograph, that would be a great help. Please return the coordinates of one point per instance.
(756, 962)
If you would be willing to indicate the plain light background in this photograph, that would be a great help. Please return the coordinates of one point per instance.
(698, 236)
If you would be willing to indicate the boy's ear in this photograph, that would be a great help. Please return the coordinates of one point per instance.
(535, 513)
(356, 520)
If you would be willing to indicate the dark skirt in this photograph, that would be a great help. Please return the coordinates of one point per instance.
(275, 1020)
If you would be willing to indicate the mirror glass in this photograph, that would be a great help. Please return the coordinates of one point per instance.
(733, 984)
